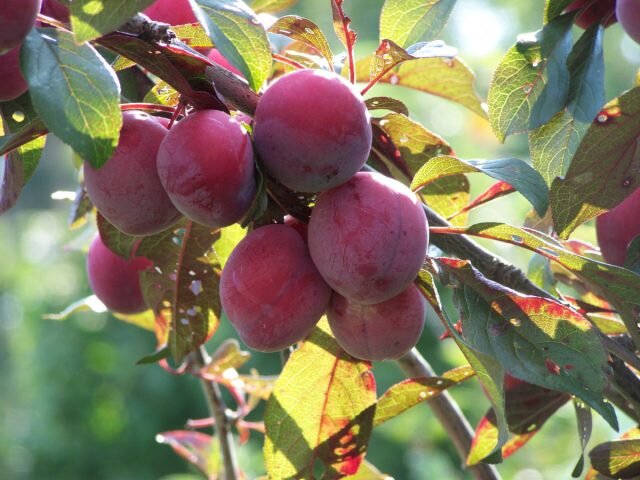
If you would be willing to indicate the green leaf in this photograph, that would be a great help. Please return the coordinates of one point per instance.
(618, 285)
(586, 66)
(585, 426)
(617, 459)
(538, 340)
(342, 26)
(489, 371)
(556, 40)
(87, 304)
(511, 170)
(238, 35)
(410, 21)
(74, 91)
(514, 90)
(228, 355)
(271, 6)
(93, 18)
(447, 78)
(604, 169)
(322, 408)
(306, 32)
(386, 103)
(409, 393)
(554, 144)
(162, 94)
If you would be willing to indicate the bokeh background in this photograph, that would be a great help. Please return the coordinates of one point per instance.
(74, 405)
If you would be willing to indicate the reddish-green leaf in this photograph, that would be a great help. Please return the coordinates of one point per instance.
(368, 472)
(618, 285)
(199, 449)
(409, 393)
(183, 285)
(178, 65)
(271, 6)
(538, 340)
(322, 408)
(512, 170)
(604, 170)
(495, 191)
(305, 32)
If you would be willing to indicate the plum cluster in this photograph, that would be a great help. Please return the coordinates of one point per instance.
(355, 260)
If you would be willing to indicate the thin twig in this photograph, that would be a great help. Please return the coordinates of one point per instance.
(219, 413)
(449, 414)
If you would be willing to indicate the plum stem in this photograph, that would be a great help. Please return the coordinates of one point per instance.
(222, 423)
(449, 414)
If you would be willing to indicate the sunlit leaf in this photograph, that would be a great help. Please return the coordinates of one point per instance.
(604, 170)
(617, 459)
(409, 393)
(74, 91)
(162, 94)
(322, 408)
(87, 304)
(511, 170)
(193, 34)
(368, 472)
(305, 32)
(229, 237)
(448, 78)
(409, 21)
(238, 34)
(342, 25)
(93, 18)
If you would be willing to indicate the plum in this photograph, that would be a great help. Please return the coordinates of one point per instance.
(13, 83)
(127, 190)
(17, 18)
(368, 237)
(595, 12)
(311, 130)
(270, 289)
(173, 12)
(617, 227)
(115, 280)
(299, 226)
(628, 13)
(206, 166)
(383, 331)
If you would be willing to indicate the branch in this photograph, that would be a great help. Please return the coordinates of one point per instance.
(449, 415)
(218, 411)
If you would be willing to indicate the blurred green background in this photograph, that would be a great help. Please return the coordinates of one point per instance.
(74, 405)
